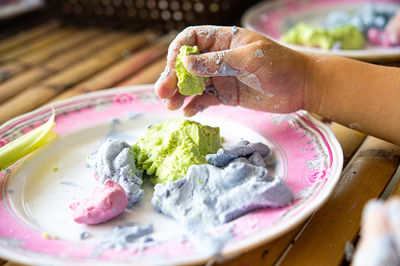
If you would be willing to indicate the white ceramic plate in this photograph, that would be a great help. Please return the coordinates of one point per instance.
(274, 18)
(37, 191)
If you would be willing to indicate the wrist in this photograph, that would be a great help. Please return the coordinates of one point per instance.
(312, 88)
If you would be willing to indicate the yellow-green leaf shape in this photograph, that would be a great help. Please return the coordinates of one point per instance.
(18, 148)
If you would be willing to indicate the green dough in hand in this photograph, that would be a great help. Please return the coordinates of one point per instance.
(169, 148)
(188, 84)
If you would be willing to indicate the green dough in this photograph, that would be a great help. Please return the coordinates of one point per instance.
(309, 36)
(188, 84)
(348, 36)
(169, 148)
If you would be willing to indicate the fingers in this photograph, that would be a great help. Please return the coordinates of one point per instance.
(207, 38)
(198, 103)
(211, 64)
(233, 62)
(165, 86)
(223, 91)
(228, 90)
(175, 101)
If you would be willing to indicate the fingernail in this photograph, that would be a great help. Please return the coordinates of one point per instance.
(157, 84)
(162, 76)
(166, 72)
(188, 112)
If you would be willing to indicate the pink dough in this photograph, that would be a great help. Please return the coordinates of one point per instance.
(380, 37)
(105, 203)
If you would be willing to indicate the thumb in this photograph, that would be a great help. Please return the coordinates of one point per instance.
(231, 62)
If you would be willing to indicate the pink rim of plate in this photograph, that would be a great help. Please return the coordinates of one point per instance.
(311, 156)
(269, 17)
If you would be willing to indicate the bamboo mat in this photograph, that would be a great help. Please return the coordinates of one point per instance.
(52, 62)
(70, 62)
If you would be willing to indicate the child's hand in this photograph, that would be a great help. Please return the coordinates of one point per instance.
(393, 29)
(380, 234)
(246, 69)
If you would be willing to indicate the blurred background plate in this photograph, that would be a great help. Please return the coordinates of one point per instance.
(12, 8)
(274, 18)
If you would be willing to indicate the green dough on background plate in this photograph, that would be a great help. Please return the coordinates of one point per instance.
(188, 84)
(348, 36)
(169, 148)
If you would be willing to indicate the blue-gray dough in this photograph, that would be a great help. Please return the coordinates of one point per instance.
(370, 16)
(122, 235)
(242, 149)
(209, 196)
(115, 160)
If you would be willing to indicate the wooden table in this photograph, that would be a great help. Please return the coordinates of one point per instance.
(52, 61)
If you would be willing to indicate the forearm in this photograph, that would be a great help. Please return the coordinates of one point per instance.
(362, 96)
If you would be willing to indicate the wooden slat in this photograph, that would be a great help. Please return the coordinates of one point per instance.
(391, 64)
(21, 38)
(338, 220)
(349, 140)
(61, 46)
(34, 58)
(147, 75)
(29, 77)
(396, 190)
(266, 254)
(50, 87)
(269, 253)
(392, 190)
(121, 70)
(37, 44)
(14, 264)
